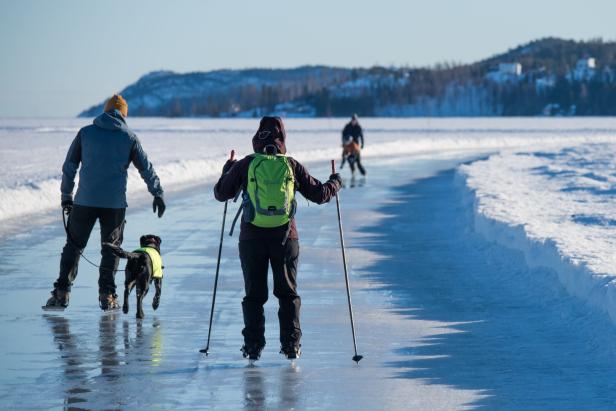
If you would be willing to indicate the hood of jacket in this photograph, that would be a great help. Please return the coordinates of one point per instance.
(271, 132)
(111, 120)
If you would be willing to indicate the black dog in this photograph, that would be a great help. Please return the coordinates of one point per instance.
(144, 266)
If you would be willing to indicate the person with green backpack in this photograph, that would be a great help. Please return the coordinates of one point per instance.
(268, 180)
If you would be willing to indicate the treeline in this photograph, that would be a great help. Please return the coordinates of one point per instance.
(330, 91)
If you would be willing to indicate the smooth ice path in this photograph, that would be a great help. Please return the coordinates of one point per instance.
(89, 360)
(445, 319)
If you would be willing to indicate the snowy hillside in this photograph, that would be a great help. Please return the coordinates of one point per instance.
(223, 93)
(545, 77)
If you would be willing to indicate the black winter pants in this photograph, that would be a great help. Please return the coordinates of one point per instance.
(362, 170)
(353, 160)
(255, 256)
(80, 224)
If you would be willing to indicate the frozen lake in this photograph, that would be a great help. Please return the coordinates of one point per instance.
(447, 317)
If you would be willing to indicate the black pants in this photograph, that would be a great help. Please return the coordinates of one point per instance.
(80, 224)
(353, 160)
(255, 256)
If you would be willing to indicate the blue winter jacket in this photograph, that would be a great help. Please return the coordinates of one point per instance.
(105, 149)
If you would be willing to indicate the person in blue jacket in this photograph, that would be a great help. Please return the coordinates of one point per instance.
(102, 152)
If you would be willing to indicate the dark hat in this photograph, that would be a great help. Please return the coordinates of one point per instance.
(271, 134)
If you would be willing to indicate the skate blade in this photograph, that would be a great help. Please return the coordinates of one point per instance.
(53, 308)
(252, 363)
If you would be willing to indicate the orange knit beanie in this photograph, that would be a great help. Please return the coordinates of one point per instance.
(117, 102)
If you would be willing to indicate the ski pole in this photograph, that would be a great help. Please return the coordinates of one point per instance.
(356, 357)
(206, 350)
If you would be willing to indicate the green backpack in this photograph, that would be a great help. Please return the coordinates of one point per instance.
(269, 196)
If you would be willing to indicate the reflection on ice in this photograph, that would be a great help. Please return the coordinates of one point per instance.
(254, 391)
(264, 390)
(109, 370)
(107, 347)
(74, 373)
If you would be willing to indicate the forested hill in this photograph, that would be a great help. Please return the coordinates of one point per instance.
(545, 77)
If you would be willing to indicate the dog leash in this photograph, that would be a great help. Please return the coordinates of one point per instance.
(79, 250)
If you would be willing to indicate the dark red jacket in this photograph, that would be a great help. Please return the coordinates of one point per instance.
(236, 178)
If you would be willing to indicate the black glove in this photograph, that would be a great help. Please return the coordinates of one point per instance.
(228, 166)
(160, 204)
(336, 180)
(67, 206)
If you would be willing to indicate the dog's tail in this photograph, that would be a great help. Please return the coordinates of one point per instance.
(118, 251)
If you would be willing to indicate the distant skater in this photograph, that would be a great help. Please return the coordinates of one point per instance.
(102, 152)
(269, 179)
(352, 143)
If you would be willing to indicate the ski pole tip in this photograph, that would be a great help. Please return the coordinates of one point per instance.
(357, 358)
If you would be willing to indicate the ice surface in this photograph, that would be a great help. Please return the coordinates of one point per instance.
(447, 317)
(88, 360)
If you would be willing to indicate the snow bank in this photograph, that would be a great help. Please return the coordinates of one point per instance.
(557, 207)
(192, 151)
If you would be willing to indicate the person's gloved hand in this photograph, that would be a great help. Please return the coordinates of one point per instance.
(362, 146)
(67, 206)
(336, 180)
(159, 204)
(228, 165)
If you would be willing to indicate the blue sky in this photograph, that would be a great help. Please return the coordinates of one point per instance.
(61, 56)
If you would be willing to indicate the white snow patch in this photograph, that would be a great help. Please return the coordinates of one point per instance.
(192, 151)
(557, 207)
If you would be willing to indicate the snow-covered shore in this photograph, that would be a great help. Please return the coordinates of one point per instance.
(558, 208)
(186, 152)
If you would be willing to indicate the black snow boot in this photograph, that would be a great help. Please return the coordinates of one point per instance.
(291, 350)
(252, 351)
(58, 300)
(108, 302)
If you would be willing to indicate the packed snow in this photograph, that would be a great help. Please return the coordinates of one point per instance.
(558, 206)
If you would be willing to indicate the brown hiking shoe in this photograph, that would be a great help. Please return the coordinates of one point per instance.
(58, 300)
(108, 302)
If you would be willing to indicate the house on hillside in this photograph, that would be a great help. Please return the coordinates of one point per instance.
(506, 73)
(585, 70)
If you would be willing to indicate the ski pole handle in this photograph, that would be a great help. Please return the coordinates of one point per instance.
(333, 166)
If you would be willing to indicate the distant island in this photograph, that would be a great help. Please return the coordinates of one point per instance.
(547, 77)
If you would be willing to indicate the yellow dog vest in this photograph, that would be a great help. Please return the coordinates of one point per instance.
(157, 261)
